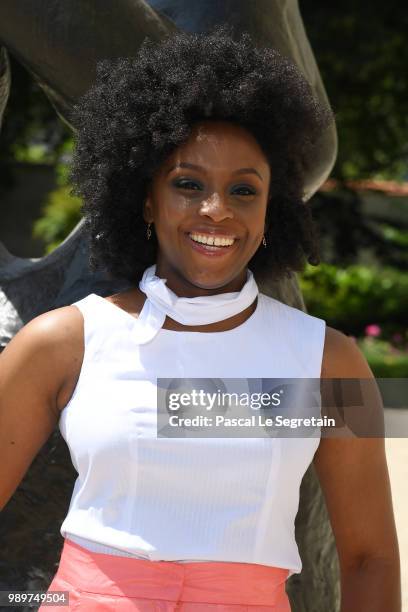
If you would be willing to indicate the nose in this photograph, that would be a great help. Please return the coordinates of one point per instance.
(216, 208)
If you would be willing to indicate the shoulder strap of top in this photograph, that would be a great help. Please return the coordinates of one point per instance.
(85, 303)
(303, 334)
(101, 318)
(95, 323)
(89, 310)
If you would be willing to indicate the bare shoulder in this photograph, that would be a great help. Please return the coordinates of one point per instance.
(65, 329)
(52, 330)
(35, 369)
(69, 344)
(352, 467)
(61, 334)
(342, 357)
(53, 344)
(60, 328)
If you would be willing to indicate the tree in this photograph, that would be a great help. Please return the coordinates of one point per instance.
(362, 53)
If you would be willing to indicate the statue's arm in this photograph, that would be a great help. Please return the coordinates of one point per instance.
(354, 478)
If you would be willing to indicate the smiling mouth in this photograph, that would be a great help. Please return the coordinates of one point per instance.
(207, 244)
(211, 240)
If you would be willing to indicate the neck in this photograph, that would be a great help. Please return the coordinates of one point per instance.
(229, 304)
(182, 287)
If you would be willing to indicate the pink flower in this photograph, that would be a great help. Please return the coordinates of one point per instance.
(373, 330)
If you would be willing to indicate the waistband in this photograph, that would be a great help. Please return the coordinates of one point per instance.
(206, 582)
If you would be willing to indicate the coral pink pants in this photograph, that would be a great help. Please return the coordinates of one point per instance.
(98, 582)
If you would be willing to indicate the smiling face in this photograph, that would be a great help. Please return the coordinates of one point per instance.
(208, 202)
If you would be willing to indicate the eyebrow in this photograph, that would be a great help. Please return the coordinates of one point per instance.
(195, 167)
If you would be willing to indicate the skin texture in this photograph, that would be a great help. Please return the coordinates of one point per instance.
(214, 197)
(353, 475)
(40, 367)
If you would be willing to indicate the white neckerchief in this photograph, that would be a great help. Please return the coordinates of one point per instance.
(202, 310)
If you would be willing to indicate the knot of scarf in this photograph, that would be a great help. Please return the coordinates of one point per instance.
(201, 310)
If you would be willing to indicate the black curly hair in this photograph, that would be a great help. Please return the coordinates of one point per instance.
(141, 108)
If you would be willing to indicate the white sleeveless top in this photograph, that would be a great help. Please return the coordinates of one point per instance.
(185, 499)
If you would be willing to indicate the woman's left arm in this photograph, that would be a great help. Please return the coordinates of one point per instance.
(354, 478)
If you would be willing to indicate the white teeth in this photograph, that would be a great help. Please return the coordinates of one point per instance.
(211, 240)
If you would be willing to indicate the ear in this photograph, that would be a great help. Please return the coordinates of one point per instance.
(148, 210)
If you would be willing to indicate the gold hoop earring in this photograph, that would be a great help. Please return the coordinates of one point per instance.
(264, 241)
(148, 231)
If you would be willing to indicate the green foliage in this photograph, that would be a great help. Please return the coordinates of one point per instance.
(60, 214)
(61, 211)
(32, 154)
(31, 132)
(352, 298)
(395, 235)
(362, 54)
(385, 360)
(364, 302)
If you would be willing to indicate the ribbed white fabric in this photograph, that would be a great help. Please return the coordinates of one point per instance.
(185, 499)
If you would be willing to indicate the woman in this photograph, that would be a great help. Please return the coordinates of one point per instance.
(189, 162)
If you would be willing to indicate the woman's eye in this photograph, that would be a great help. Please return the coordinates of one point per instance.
(187, 184)
(244, 188)
(190, 185)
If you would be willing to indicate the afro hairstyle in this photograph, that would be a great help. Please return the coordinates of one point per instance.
(139, 109)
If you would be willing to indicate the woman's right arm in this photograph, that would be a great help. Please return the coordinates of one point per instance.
(34, 367)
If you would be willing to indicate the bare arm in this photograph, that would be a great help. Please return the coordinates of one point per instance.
(33, 369)
(354, 478)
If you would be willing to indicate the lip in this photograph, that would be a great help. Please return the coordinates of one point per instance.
(211, 250)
